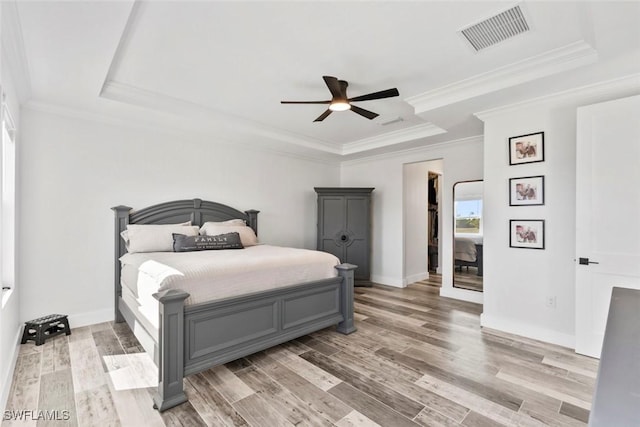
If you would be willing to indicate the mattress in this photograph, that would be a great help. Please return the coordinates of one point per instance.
(465, 249)
(218, 274)
(146, 315)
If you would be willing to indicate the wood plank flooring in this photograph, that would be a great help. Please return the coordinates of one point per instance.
(467, 278)
(416, 360)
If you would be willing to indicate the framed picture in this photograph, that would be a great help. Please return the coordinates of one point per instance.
(526, 191)
(526, 148)
(526, 233)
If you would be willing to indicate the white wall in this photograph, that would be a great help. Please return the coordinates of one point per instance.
(519, 281)
(415, 181)
(10, 326)
(73, 171)
(385, 173)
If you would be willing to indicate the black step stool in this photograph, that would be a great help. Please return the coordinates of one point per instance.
(40, 329)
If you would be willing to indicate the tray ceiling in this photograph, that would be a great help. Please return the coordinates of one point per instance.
(222, 66)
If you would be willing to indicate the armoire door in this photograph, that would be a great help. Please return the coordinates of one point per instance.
(331, 223)
(357, 226)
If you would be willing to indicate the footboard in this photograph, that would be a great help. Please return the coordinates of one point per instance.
(195, 338)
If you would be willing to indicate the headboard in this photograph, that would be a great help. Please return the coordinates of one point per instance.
(195, 210)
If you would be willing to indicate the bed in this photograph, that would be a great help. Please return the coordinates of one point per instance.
(468, 253)
(192, 336)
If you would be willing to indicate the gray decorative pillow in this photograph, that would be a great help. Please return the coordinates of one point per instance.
(155, 237)
(183, 243)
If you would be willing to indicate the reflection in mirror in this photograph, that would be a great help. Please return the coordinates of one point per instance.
(467, 241)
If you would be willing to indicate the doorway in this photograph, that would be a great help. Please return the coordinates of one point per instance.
(422, 213)
(434, 181)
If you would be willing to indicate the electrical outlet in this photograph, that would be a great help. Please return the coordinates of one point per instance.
(551, 301)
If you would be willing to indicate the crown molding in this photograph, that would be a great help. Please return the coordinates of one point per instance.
(554, 61)
(392, 138)
(169, 129)
(626, 85)
(133, 95)
(13, 50)
(292, 138)
(164, 128)
(426, 149)
(104, 119)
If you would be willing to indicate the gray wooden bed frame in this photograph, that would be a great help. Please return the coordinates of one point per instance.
(196, 337)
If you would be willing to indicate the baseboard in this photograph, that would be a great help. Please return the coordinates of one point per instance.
(415, 278)
(90, 318)
(462, 294)
(389, 281)
(6, 382)
(527, 330)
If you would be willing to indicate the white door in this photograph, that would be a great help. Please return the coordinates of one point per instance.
(607, 213)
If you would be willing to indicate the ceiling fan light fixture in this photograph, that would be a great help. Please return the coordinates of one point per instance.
(340, 105)
(341, 102)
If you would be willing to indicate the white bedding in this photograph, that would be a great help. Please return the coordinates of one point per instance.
(465, 249)
(216, 274)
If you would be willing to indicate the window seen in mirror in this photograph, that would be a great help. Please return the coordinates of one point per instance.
(468, 216)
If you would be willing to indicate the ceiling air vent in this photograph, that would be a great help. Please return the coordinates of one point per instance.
(391, 121)
(505, 25)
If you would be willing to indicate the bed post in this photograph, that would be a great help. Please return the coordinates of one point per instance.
(253, 219)
(345, 271)
(122, 219)
(171, 349)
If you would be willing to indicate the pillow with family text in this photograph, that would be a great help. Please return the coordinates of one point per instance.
(182, 243)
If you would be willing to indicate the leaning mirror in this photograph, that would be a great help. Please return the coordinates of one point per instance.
(467, 235)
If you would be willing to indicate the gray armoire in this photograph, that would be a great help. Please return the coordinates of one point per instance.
(344, 226)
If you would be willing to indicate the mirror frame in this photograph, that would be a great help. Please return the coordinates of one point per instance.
(453, 235)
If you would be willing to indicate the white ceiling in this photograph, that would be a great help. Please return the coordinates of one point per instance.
(222, 67)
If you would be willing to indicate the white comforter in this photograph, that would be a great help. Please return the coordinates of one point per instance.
(217, 274)
(465, 249)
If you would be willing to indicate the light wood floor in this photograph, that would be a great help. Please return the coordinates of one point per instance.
(416, 359)
(467, 278)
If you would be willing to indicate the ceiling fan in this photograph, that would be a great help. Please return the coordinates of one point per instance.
(340, 102)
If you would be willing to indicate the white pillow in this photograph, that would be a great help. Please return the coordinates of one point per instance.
(125, 233)
(155, 237)
(228, 222)
(247, 235)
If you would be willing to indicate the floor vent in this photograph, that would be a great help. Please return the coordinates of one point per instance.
(498, 28)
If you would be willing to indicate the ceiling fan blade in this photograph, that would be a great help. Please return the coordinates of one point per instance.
(305, 102)
(334, 86)
(364, 113)
(376, 95)
(323, 116)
